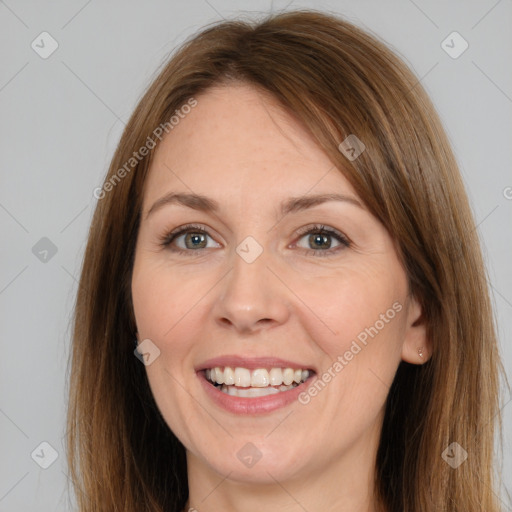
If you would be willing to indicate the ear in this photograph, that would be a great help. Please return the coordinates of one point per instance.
(416, 349)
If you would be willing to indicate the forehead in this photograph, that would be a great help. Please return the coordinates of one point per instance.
(239, 140)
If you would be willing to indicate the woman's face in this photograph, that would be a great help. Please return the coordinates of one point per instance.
(256, 284)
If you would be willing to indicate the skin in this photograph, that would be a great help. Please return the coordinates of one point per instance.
(239, 147)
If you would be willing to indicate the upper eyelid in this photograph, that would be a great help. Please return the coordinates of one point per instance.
(301, 231)
(321, 228)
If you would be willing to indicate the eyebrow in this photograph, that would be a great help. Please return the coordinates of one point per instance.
(206, 204)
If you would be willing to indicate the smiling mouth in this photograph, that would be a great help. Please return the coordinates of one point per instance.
(245, 383)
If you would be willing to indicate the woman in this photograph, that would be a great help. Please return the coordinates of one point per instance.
(284, 235)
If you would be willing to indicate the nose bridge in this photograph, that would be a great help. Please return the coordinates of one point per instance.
(251, 295)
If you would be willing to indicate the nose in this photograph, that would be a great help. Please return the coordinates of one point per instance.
(251, 298)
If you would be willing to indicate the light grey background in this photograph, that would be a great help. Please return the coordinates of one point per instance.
(61, 118)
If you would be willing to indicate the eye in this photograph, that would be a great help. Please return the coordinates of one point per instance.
(319, 240)
(192, 237)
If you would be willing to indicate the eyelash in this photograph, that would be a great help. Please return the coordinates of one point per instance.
(317, 229)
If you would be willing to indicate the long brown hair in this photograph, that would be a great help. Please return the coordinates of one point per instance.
(337, 80)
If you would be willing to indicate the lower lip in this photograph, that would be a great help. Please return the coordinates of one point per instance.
(255, 405)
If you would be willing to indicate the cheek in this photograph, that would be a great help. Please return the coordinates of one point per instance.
(367, 317)
(360, 305)
(162, 298)
(161, 301)
(358, 322)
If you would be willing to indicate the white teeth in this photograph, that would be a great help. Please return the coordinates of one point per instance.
(252, 392)
(229, 376)
(276, 376)
(242, 377)
(288, 375)
(258, 378)
(219, 376)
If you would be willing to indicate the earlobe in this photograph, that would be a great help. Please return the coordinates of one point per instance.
(416, 348)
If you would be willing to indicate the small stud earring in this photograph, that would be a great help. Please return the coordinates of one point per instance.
(420, 352)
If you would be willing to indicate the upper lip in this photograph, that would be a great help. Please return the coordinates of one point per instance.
(251, 363)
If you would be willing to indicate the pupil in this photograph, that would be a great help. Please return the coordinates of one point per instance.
(195, 238)
(319, 238)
